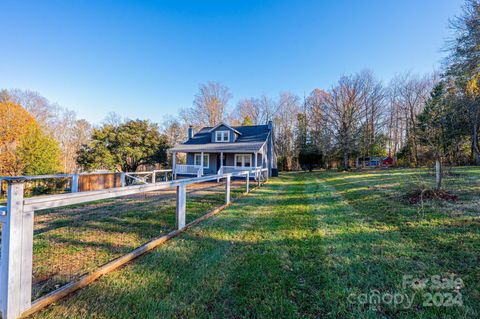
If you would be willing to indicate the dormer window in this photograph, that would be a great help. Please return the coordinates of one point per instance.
(222, 136)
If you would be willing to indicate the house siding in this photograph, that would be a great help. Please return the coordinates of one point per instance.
(212, 169)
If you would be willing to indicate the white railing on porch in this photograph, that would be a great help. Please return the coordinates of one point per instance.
(233, 169)
(181, 169)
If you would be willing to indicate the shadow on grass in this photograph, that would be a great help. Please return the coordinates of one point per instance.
(296, 248)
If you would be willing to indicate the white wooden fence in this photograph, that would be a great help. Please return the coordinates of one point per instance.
(143, 177)
(17, 235)
(133, 177)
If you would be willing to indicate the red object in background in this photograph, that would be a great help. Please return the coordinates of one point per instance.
(387, 161)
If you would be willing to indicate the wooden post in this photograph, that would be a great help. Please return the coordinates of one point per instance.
(154, 177)
(16, 257)
(74, 185)
(248, 182)
(181, 205)
(123, 179)
(227, 190)
(166, 176)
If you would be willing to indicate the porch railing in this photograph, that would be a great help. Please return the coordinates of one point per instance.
(188, 170)
(233, 169)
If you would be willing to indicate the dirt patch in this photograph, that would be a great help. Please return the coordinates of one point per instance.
(419, 196)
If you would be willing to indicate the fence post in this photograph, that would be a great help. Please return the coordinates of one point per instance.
(123, 179)
(227, 190)
(154, 177)
(181, 205)
(166, 176)
(248, 182)
(16, 257)
(74, 186)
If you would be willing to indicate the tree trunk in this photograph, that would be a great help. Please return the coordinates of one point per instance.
(475, 144)
(345, 160)
(438, 172)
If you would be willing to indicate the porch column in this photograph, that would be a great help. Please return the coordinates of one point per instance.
(266, 164)
(174, 175)
(201, 163)
(255, 165)
(220, 169)
(221, 161)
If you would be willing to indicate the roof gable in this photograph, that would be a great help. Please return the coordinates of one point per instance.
(225, 125)
(250, 138)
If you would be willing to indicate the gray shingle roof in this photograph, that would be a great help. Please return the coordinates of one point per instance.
(251, 139)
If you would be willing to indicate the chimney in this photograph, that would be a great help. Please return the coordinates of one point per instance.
(270, 125)
(190, 132)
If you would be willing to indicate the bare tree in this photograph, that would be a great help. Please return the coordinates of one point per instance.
(374, 111)
(259, 110)
(247, 107)
(285, 117)
(114, 119)
(412, 91)
(37, 105)
(396, 121)
(346, 111)
(175, 131)
(319, 126)
(209, 105)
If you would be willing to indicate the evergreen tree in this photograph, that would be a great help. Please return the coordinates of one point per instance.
(124, 147)
(464, 68)
(247, 121)
(38, 152)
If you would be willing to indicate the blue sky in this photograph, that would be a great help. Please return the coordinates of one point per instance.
(145, 59)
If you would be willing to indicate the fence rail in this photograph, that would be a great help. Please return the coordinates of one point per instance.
(17, 235)
(97, 180)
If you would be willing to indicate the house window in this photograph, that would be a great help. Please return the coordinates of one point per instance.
(243, 160)
(198, 159)
(222, 136)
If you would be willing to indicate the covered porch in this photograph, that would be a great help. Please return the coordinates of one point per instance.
(212, 163)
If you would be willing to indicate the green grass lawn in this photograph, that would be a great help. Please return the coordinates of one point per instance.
(305, 245)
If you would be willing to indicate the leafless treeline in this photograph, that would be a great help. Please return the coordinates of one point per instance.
(358, 117)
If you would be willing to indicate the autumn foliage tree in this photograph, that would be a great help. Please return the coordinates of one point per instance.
(24, 147)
